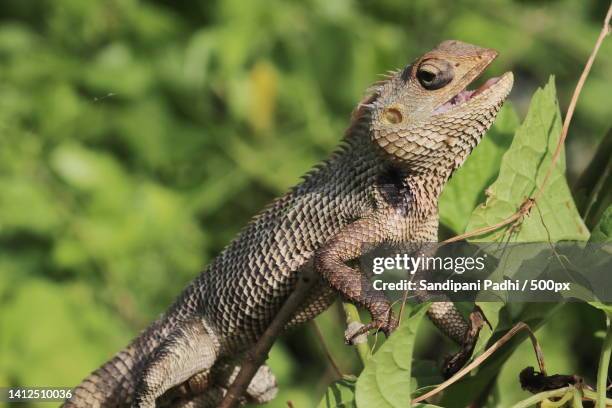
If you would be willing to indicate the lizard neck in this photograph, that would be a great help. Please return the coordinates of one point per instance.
(426, 189)
(425, 183)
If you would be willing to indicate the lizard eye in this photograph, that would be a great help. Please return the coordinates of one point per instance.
(431, 77)
(426, 78)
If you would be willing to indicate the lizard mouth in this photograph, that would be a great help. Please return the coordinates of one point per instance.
(467, 94)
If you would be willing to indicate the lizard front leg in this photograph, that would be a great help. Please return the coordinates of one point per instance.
(349, 244)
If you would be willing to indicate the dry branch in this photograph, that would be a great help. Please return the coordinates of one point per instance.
(259, 353)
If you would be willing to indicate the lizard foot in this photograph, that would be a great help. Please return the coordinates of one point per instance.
(386, 323)
(207, 389)
(453, 363)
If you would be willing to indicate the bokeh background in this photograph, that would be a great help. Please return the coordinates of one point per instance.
(137, 137)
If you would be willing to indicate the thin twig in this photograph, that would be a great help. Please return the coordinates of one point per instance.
(326, 350)
(405, 297)
(480, 359)
(578, 397)
(591, 395)
(480, 231)
(605, 30)
(604, 363)
(401, 312)
(528, 203)
(258, 354)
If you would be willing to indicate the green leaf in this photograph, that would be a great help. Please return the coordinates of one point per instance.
(603, 233)
(603, 230)
(604, 307)
(523, 169)
(340, 394)
(425, 373)
(606, 352)
(386, 379)
(466, 188)
(590, 190)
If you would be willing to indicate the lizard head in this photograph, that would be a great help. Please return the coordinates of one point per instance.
(424, 118)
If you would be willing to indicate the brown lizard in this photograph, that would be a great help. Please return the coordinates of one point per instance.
(380, 186)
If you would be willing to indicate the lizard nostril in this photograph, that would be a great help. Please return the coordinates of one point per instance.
(393, 115)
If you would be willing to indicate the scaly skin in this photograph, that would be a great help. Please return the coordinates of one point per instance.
(380, 186)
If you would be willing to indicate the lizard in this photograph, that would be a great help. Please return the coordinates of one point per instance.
(405, 139)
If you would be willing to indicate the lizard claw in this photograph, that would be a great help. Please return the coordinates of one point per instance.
(352, 336)
(387, 325)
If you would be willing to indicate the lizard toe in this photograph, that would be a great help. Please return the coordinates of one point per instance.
(386, 324)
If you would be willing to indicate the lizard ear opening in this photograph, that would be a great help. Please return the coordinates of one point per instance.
(393, 116)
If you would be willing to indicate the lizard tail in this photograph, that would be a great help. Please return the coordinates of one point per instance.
(114, 383)
(111, 385)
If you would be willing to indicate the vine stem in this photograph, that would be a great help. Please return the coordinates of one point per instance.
(604, 364)
(534, 399)
(352, 315)
(593, 396)
(578, 394)
(605, 30)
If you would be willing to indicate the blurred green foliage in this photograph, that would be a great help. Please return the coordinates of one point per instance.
(136, 138)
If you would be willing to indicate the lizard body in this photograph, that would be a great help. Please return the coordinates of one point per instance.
(380, 186)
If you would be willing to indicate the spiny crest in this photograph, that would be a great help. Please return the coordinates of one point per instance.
(390, 74)
(361, 114)
(377, 87)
